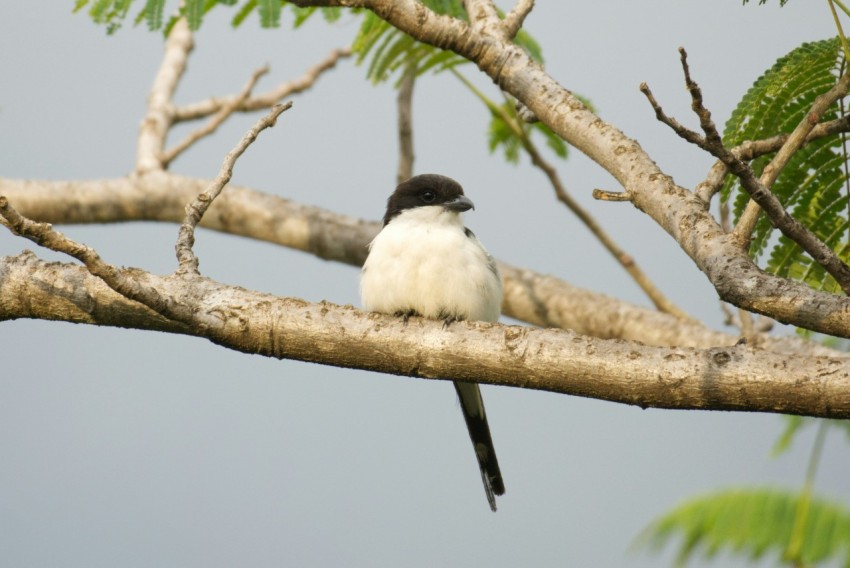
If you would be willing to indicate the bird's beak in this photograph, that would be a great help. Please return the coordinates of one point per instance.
(461, 204)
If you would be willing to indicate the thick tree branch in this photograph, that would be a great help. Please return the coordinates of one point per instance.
(529, 296)
(727, 378)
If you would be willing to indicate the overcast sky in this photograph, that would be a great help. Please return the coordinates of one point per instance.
(127, 448)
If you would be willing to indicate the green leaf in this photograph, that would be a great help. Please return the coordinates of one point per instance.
(99, 11)
(501, 136)
(813, 186)
(302, 14)
(153, 13)
(194, 12)
(504, 136)
(243, 12)
(269, 13)
(751, 524)
(79, 5)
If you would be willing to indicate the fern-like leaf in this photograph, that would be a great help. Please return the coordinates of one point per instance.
(813, 186)
(752, 523)
(194, 12)
(243, 12)
(503, 136)
(269, 13)
(153, 12)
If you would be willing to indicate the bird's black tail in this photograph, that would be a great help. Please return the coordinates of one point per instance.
(472, 406)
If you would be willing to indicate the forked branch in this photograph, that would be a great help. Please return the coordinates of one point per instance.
(712, 142)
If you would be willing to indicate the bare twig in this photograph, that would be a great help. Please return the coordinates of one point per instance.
(264, 100)
(712, 143)
(196, 209)
(158, 119)
(515, 18)
(752, 149)
(161, 115)
(404, 102)
(216, 120)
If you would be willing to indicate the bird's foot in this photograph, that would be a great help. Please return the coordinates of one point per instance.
(406, 315)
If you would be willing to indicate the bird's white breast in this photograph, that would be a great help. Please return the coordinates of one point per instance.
(424, 261)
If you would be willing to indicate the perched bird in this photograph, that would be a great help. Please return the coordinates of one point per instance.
(424, 262)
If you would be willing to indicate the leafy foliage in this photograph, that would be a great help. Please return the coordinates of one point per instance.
(812, 185)
(107, 12)
(112, 13)
(753, 523)
(503, 134)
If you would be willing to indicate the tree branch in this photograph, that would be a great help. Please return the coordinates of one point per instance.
(515, 18)
(712, 142)
(752, 149)
(624, 259)
(796, 140)
(157, 121)
(198, 206)
(727, 378)
(404, 103)
(528, 296)
(217, 119)
(207, 107)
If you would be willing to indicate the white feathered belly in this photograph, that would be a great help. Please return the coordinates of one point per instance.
(434, 269)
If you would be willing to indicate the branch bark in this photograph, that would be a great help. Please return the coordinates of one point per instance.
(724, 378)
(528, 296)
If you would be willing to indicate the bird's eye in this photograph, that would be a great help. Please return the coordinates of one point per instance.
(428, 196)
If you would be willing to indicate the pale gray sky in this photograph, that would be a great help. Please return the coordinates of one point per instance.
(125, 448)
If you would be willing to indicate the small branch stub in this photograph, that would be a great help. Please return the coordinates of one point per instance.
(604, 195)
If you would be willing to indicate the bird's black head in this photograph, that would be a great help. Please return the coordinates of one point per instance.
(426, 190)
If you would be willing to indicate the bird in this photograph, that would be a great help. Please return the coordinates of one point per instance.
(424, 262)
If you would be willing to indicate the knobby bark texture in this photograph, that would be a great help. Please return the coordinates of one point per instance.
(721, 378)
(529, 296)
